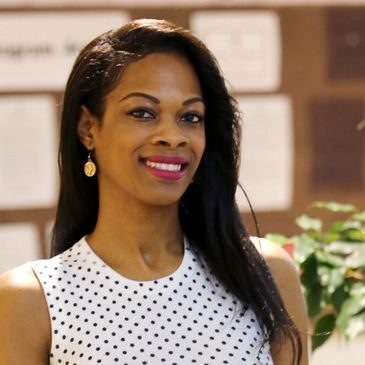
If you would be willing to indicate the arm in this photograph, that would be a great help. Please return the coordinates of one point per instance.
(24, 319)
(287, 280)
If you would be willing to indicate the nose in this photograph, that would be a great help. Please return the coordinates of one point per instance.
(169, 134)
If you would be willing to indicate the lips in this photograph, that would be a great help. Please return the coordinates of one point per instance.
(166, 167)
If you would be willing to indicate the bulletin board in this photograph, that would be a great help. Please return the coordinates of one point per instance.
(297, 72)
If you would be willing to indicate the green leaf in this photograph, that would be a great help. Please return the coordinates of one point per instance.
(315, 235)
(354, 235)
(339, 296)
(304, 247)
(350, 308)
(355, 327)
(309, 268)
(331, 278)
(313, 298)
(359, 216)
(336, 279)
(329, 259)
(323, 330)
(277, 238)
(324, 275)
(357, 289)
(340, 248)
(334, 206)
(351, 224)
(353, 253)
(337, 227)
(357, 259)
(331, 237)
(308, 223)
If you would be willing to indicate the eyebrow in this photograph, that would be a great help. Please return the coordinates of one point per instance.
(157, 101)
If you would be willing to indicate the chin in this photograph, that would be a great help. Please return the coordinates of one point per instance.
(163, 199)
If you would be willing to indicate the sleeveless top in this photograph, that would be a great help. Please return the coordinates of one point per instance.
(100, 317)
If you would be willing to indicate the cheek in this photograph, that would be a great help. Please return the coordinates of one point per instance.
(109, 150)
(199, 144)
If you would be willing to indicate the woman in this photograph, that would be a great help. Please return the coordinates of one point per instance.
(152, 263)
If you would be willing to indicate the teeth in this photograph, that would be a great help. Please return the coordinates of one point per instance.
(164, 166)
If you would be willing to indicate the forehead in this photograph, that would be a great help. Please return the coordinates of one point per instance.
(158, 72)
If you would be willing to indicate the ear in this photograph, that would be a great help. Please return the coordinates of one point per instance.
(86, 128)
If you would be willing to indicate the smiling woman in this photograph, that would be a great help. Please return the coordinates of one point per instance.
(149, 142)
(151, 261)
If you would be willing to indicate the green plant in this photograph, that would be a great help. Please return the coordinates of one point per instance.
(332, 270)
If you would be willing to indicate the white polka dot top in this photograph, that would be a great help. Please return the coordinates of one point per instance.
(100, 317)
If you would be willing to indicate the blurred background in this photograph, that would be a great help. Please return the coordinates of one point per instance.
(297, 69)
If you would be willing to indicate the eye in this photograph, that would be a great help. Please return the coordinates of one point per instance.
(141, 114)
(192, 117)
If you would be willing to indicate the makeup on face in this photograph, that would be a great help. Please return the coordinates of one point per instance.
(166, 167)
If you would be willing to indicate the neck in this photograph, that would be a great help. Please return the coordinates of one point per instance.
(130, 228)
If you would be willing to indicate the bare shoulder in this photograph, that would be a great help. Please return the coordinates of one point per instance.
(282, 267)
(270, 250)
(21, 278)
(24, 318)
(286, 277)
(278, 260)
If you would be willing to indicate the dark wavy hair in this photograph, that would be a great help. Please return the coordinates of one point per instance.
(208, 213)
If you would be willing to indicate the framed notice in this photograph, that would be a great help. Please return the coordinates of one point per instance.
(267, 153)
(37, 50)
(28, 152)
(247, 45)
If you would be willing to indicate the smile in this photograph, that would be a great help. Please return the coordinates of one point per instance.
(166, 167)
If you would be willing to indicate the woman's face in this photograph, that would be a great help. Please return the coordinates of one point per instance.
(151, 138)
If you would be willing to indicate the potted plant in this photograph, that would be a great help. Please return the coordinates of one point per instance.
(332, 270)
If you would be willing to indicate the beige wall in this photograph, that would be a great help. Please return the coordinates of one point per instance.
(336, 352)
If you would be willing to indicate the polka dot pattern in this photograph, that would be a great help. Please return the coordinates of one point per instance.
(100, 317)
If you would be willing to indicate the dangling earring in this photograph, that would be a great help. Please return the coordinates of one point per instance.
(89, 167)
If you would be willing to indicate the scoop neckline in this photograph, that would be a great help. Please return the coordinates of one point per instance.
(177, 273)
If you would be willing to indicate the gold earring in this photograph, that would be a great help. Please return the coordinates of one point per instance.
(89, 167)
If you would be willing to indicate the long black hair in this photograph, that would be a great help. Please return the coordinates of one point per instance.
(208, 212)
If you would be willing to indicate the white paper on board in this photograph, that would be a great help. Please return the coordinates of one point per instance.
(19, 243)
(38, 49)
(28, 152)
(247, 45)
(267, 153)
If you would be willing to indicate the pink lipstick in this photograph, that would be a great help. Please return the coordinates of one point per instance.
(166, 167)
